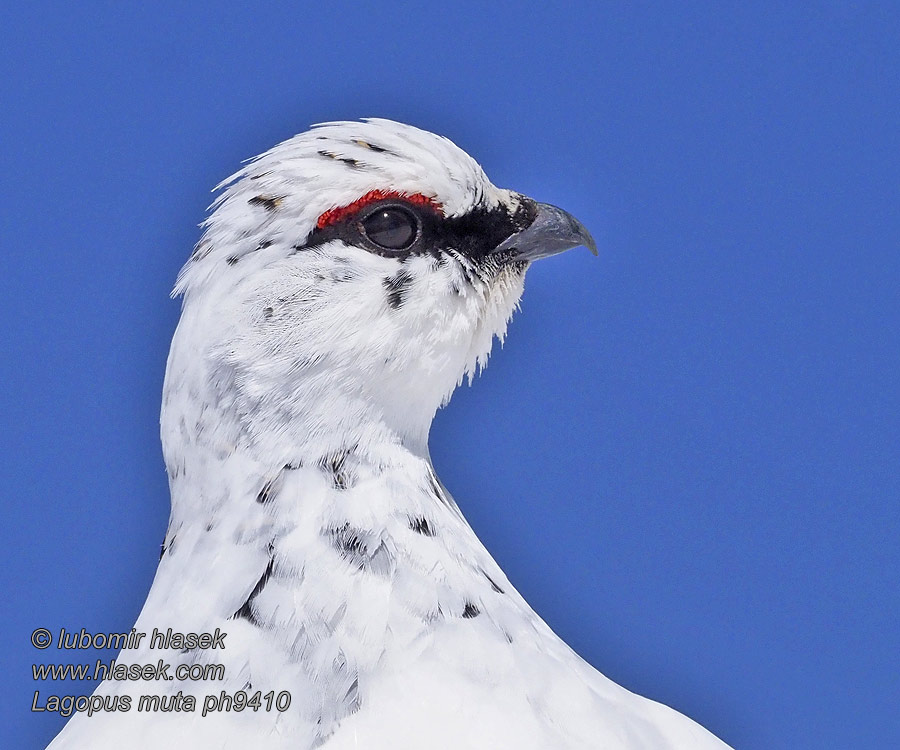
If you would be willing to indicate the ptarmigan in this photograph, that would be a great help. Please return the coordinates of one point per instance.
(346, 282)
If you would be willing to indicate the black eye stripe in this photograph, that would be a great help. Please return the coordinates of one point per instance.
(474, 234)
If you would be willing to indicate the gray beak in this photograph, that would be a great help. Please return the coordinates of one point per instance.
(552, 231)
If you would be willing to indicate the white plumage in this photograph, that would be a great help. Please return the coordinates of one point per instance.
(307, 521)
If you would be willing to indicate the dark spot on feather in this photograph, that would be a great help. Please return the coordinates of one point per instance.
(264, 244)
(421, 526)
(493, 585)
(347, 540)
(471, 611)
(268, 202)
(268, 312)
(468, 272)
(370, 146)
(345, 159)
(245, 611)
(396, 287)
(345, 274)
(335, 465)
(436, 490)
(201, 250)
(232, 260)
(339, 480)
(357, 547)
(168, 545)
(265, 494)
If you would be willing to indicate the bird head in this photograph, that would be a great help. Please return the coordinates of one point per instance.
(357, 272)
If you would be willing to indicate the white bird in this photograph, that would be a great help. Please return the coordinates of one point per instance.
(346, 282)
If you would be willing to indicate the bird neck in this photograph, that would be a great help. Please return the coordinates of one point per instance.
(246, 511)
(305, 509)
(235, 487)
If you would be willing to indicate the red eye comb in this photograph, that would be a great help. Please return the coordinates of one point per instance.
(334, 215)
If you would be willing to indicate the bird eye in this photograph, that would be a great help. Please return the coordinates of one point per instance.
(392, 228)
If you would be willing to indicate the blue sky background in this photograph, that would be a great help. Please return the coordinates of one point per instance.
(687, 456)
